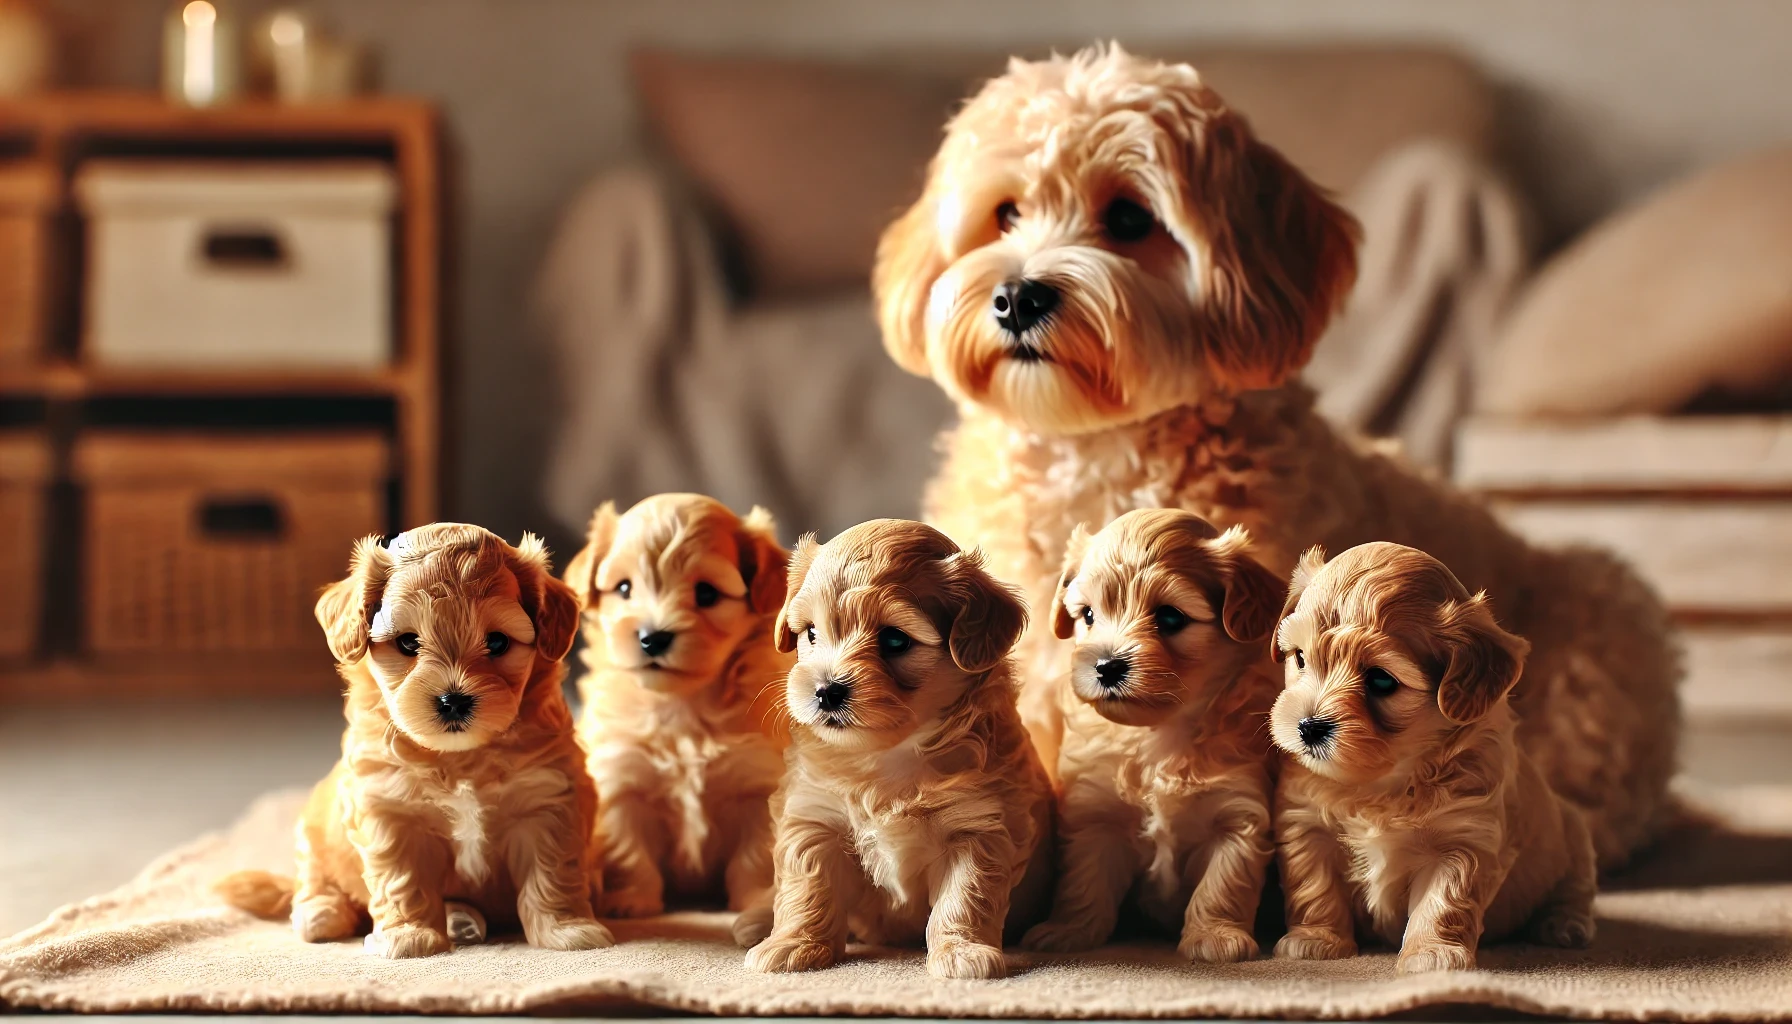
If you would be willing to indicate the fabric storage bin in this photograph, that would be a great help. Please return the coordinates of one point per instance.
(27, 195)
(198, 543)
(238, 265)
(24, 472)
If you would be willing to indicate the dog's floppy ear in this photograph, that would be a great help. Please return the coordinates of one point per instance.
(581, 572)
(551, 604)
(990, 616)
(1483, 660)
(345, 608)
(801, 557)
(909, 261)
(1063, 625)
(1253, 594)
(1311, 561)
(764, 564)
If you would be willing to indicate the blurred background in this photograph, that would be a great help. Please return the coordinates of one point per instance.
(274, 276)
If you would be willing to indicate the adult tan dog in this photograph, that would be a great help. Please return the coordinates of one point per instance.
(681, 720)
(914, 806)
(460, 778)
(1408, 811)
(1117, 283)
(1166, 765)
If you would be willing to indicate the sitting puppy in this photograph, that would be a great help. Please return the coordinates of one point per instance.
(914, 805)
(1165, 768)
(1409, 811)
(682, 740)
(460, 778)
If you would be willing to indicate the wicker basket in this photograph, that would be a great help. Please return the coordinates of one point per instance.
(220, 544)
(24, 470)
(25, 201)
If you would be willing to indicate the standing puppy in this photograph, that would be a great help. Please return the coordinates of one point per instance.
(1409, 811)
(1165, 769)
(679, 720)
(914, 805)
(460, 778)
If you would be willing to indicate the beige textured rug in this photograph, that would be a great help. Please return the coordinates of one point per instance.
(1700, 930)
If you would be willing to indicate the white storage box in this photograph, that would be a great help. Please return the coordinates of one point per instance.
(233, 266)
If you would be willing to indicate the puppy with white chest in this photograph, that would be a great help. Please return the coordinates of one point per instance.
(914, 807)
(1409, 811)
(460, 779)
(680, 719)
(1165, 770)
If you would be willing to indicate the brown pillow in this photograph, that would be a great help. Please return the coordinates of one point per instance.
(1687, 294)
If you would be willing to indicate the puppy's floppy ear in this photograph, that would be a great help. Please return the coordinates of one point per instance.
(1253, 593)
(581, 572)
(345, 608)
(909, 261)
(1063, 625)
(1484, 661)
(764, 565)
(990, 616)
(551, 604)
(800, 560)
(1311, 561)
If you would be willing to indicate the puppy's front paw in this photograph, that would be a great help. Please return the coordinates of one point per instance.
(1061, 937)
(956, 958)
(466, 925)
(324, 919)
(570, 934)
(1434, 956)
(633, 903)
(777, 956)
(1569, 929)
(406, 941)
(1315, 944)
(1217, 944)
(751, 926)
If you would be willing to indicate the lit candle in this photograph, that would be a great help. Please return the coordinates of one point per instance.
(199, 75)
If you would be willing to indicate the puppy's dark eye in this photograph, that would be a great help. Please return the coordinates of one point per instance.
(1169, 619)
(1088, 616)
(624, 588)
(892, 641)
(408, 644)
(1300, 660)
(496, 644)
(1127, 221)
(809, 631)
(1006, 215)
(1379, 682)
(707, 595)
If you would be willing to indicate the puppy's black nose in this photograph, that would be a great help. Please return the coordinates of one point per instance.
(1111, 672)
(455, 707)
(656, 643)
(1314, 731)
(832, 697)
(1021, 304)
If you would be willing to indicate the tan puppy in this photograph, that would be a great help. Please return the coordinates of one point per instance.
(460, 778)
(1118, 284)
(1166, 765)
(1409, 811)
(915, 806)
(680, 717)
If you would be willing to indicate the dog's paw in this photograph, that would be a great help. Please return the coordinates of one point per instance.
(1217, 944)
(632, 903)
(974, 961)
(406, 941)
(570, 934)
(751, 926)
(1564, 927)
(1315, 944)
(1061, 937)
(1434, 956)
(777, 956)
(466, 925)
(324, 919)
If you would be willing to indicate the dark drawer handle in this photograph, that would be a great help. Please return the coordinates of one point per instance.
(241, 519)
(244, 248)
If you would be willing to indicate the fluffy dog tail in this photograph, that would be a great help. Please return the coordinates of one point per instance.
(259, 892)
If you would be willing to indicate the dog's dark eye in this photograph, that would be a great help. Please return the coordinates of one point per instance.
(1300, 660)
(809, 631)
(707, 595)
(624, 587)
(1006, 215)
(496, 644)
(1127, 221)
(1379, 681)
(408, 644)
(1169, 619)
(892, 641)
(1089, 616)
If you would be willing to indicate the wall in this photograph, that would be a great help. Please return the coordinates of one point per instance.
(1605, 100)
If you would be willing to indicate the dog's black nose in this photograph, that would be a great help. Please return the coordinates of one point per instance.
(657, 642)
(1314, 731)
(1111, 672)
(455, 707)
(1021, 304)
(832, 697)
